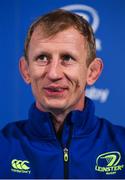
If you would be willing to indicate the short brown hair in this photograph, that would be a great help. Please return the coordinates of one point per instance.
(60, 20)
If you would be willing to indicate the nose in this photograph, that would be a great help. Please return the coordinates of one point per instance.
(54, 72)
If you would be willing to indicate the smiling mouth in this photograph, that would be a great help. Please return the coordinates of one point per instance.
(55, 90)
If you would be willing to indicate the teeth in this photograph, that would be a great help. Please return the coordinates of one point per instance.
(59, 89)
(56, 89)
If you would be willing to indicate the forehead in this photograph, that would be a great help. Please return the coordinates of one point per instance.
(69, 36)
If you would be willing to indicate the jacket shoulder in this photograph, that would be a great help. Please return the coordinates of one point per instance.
(112, 130)
(12, 129)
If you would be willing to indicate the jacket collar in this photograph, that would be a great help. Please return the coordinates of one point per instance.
(83, 122)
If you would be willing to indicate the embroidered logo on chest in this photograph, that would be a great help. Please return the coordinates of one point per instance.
(109, 162)
(20, 166)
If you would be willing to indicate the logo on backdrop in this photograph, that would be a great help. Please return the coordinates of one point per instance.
(100, 95)
(90, 14)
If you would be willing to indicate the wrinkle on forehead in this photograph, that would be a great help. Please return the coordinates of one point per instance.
(70, 35)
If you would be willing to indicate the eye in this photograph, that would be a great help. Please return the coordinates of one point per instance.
(68, 59)
(43, 59)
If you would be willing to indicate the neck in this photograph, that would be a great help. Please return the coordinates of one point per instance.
(59, 116)
(58, 121)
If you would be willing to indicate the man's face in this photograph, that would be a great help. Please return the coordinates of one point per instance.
(57, 70)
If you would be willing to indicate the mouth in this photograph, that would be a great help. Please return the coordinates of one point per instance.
(55, 90)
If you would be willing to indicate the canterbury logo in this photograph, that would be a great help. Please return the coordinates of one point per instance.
(20, 165)
(111, 158)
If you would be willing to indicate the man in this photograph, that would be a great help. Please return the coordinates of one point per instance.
(62, 137)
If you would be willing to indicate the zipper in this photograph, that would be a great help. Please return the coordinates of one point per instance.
(65, 149)
(66, 159)
(66, 155)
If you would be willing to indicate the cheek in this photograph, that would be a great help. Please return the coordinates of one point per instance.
(36, 80)
(36, 72)
(83, 75)
(78, 77)
(36, 86)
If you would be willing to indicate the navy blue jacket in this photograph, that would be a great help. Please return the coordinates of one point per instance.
(88, 147)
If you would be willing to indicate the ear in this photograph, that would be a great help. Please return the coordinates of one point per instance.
(24, 69)
(94, 71)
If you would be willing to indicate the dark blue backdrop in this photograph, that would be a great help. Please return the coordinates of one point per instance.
(108, 20)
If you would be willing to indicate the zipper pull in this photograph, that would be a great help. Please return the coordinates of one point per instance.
(65, 155)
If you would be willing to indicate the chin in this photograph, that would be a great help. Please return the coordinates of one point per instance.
(55, 107)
